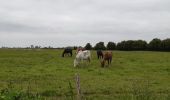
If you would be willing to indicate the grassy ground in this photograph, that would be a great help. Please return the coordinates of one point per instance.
(135, 75)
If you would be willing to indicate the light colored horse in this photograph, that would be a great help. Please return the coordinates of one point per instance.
(81, 56)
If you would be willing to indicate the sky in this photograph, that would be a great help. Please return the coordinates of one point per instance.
(61, 23)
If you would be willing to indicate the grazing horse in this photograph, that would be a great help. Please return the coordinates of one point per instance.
(107, 56)
(81, 56)
(99, 54)
(79, 49)
(67, 51)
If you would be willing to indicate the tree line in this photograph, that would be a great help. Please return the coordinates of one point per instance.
(130, 45)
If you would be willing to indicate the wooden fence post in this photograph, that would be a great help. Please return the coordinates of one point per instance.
(78, 87)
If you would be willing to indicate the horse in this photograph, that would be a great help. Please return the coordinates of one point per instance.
(81, 56)
(80, 49)
(67, 51)
(107, 56)
(99, 54)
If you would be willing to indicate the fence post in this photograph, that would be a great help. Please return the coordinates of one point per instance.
(78, 87)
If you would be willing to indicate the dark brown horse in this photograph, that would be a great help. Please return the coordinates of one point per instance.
(107, 56)
(99, 54)
(67, 51)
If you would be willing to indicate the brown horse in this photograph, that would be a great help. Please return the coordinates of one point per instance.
(99, 54)
(107, 56)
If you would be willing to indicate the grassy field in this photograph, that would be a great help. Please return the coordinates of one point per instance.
(135, 75)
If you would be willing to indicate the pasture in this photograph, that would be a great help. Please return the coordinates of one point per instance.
(133, 75)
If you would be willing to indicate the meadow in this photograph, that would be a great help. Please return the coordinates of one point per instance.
(133, 75)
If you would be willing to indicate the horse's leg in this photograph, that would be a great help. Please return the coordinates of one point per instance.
(89, 59)
(102, 56)
(71, 54)
(110, 60)
(63, 54)
(104, 63)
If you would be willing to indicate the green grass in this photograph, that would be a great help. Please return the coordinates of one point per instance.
(133, 75)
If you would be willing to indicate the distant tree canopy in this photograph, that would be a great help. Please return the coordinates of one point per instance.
(132, 45)
(165, 44)
(100, 46)
(129, 45)
(111, 46)
(155, 44)
(88, 46)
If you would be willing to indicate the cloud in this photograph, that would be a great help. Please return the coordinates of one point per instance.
(82, 20)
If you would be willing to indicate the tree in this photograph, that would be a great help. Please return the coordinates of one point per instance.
(132, 45)
(140, 45)
(88, 46)
(129, 45)
(32, 46)
(125, 45)
(165, 45)
(121, 45)
(100, 46)
(111, 46)
(37, 47)
(155, 44)
(75, 47)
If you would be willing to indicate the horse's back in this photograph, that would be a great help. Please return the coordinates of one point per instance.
(83, 54)
(108, 54)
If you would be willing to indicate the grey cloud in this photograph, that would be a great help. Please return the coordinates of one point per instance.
(88, 20)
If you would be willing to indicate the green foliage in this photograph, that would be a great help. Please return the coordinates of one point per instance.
(129, 45)
(165, 45)
(140, 45)
(155, 44)
(100, 46)
(111, 46)
(132, 45)
(136, 45)
(88, 46)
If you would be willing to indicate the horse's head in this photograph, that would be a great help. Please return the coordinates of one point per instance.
(102, 63)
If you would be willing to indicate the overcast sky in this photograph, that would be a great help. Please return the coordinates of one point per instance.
(76, 22)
